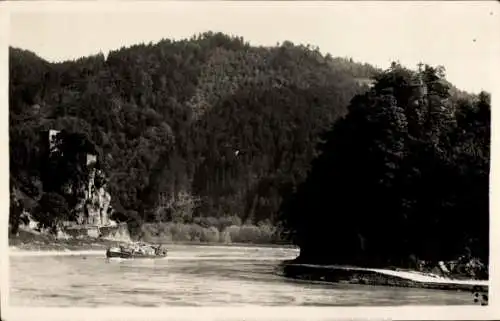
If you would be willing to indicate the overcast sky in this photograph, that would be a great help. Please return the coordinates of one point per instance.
(462, 36)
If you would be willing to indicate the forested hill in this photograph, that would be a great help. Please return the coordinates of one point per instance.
(221, 127)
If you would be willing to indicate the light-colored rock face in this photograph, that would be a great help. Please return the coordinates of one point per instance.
(52, 139)
(94, 209)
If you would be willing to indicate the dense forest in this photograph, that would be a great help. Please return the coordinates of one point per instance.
(403, 177)
(211, 119)
(280, 137)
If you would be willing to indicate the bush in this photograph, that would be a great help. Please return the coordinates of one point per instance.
(51, 211)
(225, 237)
(267, 233)
(249, 233)
(134, 225)
(195, 232)
(226, 221)
(210, 235)
(16, 209)
(234, 233)
(200, 232)
(180, 232)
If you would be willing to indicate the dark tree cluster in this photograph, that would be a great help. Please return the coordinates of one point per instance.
(403, 176)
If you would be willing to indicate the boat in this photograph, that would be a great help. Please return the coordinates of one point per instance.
(136, 251)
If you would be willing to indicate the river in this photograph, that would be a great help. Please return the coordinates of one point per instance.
(192, 276)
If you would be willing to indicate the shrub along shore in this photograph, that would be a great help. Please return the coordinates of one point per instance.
(210, 232)
(165, 233)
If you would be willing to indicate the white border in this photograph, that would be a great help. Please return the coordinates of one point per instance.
(254, 313)
(4, 158)
(218, 313)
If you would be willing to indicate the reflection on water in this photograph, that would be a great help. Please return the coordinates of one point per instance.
(192, 276)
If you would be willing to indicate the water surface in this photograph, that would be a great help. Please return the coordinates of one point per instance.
(192, 276)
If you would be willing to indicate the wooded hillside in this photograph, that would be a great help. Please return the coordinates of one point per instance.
(210, 118)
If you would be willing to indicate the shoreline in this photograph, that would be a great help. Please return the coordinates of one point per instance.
(343, 274)
(46, 243)
(98, 246)
(292, 269)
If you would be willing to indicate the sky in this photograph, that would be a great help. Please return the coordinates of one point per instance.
(462, 36)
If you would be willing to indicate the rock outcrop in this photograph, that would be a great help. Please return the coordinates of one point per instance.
(97, 208)
(93, 211)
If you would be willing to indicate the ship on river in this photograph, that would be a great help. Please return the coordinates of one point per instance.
(136, 251)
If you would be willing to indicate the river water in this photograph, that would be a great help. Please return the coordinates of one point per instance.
(191, 276)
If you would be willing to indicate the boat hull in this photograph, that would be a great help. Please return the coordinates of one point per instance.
(128, 255)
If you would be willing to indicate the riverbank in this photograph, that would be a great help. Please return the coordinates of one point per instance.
(30, 241)
(385, 277)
